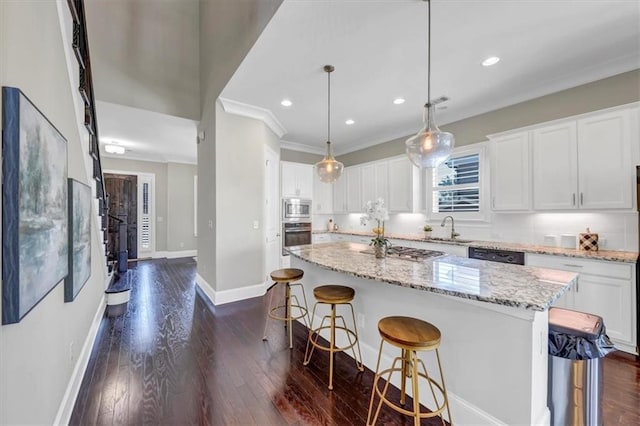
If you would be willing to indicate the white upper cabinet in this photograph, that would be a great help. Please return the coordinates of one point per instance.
(555, 167)
(296, 180)
(375, 182)
(510, 181)
(354, 193)
(583, 164)
(340, 194)
(404, 186)
(605, 161)
(322, 195)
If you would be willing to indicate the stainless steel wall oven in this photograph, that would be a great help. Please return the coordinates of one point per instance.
(295, 234)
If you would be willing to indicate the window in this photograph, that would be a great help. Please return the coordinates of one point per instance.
(457, 185)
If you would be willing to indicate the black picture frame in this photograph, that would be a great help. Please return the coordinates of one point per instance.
(34, 206)
(79, 239)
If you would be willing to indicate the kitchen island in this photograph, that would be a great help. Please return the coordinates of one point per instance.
(493, 318)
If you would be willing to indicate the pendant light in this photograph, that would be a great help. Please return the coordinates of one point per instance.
(430, 147)
(329, 169)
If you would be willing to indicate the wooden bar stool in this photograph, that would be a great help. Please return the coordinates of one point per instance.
(411, 336)
(333, 295)
(287, 277)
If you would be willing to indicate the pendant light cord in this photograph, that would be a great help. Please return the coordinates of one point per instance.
(429, 53)
(328, 106)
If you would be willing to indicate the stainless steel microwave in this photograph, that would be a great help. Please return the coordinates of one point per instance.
(296, 209)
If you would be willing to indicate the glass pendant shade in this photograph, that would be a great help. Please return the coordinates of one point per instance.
(329, 169)
(430, 147)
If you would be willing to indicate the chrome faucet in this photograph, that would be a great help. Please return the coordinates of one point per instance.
(453, 226)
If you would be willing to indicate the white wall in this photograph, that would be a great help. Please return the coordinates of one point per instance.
(180, 206)
(38, 354)
(227, 32)
(145, 54)
(240, 199)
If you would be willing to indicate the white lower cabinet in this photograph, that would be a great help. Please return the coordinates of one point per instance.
(604, 288)
(320, 238)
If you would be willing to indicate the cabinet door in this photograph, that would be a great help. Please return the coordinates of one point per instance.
(610, 299)
(368, 178)
(340, 194)
(381, 181)
(322, 196)
(605, 178)
(354, 197)
(555, 167)
(304, 180)
(400, 185)
(510, 181)
(288, 179)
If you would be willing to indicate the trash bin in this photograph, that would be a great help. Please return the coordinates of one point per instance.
(577, 343)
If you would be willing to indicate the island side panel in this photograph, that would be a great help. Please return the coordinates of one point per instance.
(494, 358)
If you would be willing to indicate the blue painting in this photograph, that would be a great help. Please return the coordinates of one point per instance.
(34, 206)
(79, 239)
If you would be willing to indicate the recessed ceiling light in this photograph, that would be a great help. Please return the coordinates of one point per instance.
(491, 60)
(349, 122)
(398, 101)
(114, 149)
(286, 103)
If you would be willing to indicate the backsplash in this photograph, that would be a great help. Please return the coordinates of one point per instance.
(617, 230)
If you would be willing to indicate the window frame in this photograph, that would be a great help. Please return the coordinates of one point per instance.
(483, 184)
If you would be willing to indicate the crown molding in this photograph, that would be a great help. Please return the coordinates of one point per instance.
(257, 113)
(295, 146)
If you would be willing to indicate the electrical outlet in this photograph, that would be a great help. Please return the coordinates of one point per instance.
(256, 224)
(360, 317)
(181, 244)
(210, 223)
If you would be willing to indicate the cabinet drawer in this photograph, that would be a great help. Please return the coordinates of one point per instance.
(585, 266)
(321, 238)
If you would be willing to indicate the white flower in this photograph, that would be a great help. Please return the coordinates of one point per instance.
(374, 211)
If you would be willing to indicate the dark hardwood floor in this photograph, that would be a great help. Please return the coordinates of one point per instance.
(175, 359)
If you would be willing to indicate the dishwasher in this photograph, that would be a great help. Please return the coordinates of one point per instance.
(497, 255)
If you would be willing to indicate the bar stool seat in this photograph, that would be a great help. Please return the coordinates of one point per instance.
(411, 335)
(333, 295)
(287, 276)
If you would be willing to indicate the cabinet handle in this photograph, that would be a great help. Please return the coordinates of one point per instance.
(572, 265)
(581, 199)
(577, 286)
(493, 201)
(573, 199)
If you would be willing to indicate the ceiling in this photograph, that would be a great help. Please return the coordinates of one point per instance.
(379, 51)
(147, 135)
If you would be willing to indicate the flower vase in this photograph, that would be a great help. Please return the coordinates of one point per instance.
(380, 252)
(427, 235)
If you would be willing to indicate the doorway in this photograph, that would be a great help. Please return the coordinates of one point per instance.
(271, 211)
(123, 208)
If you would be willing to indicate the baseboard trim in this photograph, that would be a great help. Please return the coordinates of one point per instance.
(73, 387)
(232, 295)
(174, 254)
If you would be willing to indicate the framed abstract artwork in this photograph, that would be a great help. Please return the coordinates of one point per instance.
(34, 206)
(79, 239)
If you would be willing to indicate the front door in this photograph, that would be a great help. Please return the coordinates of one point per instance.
(123, 204)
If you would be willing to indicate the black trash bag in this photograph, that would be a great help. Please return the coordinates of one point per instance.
(571, 346)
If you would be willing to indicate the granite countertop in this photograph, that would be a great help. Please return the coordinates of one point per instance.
(502, 284)
(607, 255)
